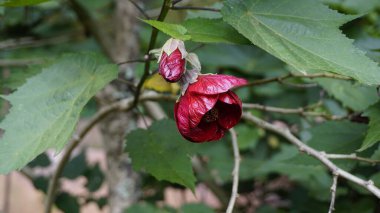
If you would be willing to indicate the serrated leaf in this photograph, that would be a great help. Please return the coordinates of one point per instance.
(47, 107)
(162, 152)
(213, 31)
(174, 30)
(201, 30)
(373, 133)
(18, 77)
(338, 137)
(304, 34)
(355, 96)
(19, 3)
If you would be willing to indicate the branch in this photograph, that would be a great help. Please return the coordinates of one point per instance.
(301, 111)
(195, 8)
(142, 60)
(333, 193)
(152, 42)
(290, 75)
(235, 171)
(123, 105)
(321, 156)
(352, 156)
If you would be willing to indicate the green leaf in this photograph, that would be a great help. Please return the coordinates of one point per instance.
(161, 151)
(201, 30)
(19, 3)
(47, 107)
(174, 30)
(338, 137)
(373, 133)
(67, 203)
(76, 167)
(41, 160)
(144, 208)
(355, 96)
(18, 77)
(213, 31)
(247, 137)
(304, 34)
(94, 177)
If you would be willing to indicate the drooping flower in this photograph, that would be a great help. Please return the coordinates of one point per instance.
(172, 60)
(208, 108)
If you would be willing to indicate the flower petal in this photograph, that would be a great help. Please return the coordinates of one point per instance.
(181, 115)
(205, 132)
(198, 106)
(229, 98)
(172, 67)
(229, 114)
(211, 84)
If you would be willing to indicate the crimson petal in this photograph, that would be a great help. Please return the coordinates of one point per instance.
(210, 84)
(205, 132)
(229, 114)
(198, 106)
(172, 67)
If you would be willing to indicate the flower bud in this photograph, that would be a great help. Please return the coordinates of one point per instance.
(172, 62)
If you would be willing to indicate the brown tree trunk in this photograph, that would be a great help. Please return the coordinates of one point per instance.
(122, 181)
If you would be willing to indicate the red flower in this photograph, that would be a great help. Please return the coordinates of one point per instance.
(172, 66)
(208, 108)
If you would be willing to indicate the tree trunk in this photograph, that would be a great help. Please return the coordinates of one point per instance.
(122, 181)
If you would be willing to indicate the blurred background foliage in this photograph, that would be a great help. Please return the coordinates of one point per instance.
(274, 177)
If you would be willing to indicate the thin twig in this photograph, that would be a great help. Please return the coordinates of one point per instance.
(176, 2)
(352, 156)
(152, 42)
(141, 60)
(301, 111)
(290, 75)
(235, 171)
(141, 10)
(333, 192)
(321, 156)
(123, 105)
(195, 8)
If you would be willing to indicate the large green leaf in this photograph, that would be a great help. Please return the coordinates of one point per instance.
(19, 3)
(213, 31)
(201, 30)
(303, 33)
(373, 134)
(46, 108)
(338, 137)
(355, 96)
(174, 30)
(161, 151)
